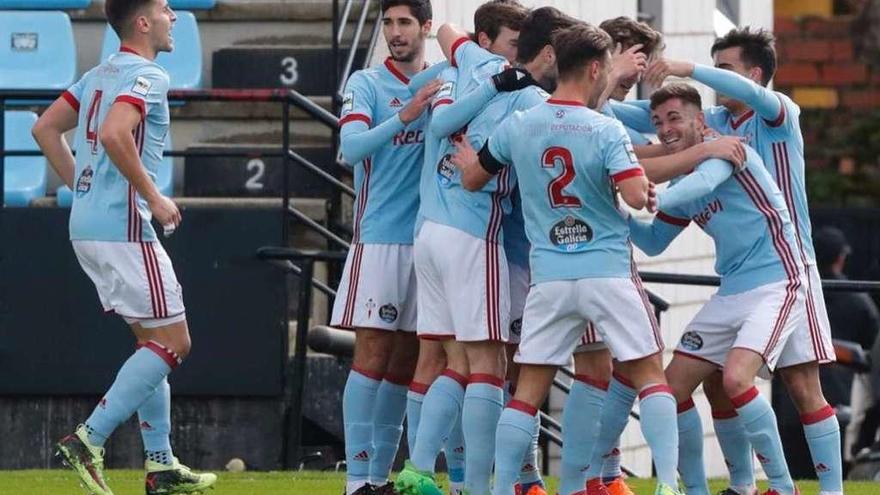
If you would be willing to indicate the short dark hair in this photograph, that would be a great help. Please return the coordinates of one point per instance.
(629, 32)
(420, 9)
(538, 29)
(490, 17)
(684, 92)
(120, 12)
(758, 49)
(577, 46)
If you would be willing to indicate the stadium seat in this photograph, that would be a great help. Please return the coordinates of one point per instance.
(184, 64)
(164, 179)
(24, 177)
(44, 4)
(192, 4)
(37, 50)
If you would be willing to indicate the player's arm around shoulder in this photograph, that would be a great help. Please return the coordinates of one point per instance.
(623, 165)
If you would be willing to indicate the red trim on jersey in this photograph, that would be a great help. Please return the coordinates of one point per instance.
(69, 98)
(677, 221)
(660, 388)
(354, 117)
(461, 379)
(742, 118)
(628, 174)
(440, 102)
(167, 355)
(524, 407)
(458, 43)
(571, 103)
(592, 382)
(373, 375)
(126, 49)
(685, 405)
(395, 72)
(486, 378)
(779, 118)
(816, 416)
(493, 229)
(362, 198)
(418, 387)
(745, 397)
(731, 413)
(626, 382)
(137, 102)
(353, 279)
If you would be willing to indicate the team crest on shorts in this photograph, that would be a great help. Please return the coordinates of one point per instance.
(516, 327)
(388, 313)
(445, 170)
(370, 305)
(84, 183)
(692, 341)
(570, 234)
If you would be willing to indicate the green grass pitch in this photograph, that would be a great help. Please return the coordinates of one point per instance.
(59, 482)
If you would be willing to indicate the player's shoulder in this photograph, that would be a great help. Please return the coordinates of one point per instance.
(450, 73)
(366, 77)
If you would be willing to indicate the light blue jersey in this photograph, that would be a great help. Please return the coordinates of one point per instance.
(105, 206)
(745, 215)
(636, 137)
(386, 154)
(568, 158)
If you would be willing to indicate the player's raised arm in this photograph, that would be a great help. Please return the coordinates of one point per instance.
(419, 80)
(703, 180)
(49, 131)
(450, 37)
(665, 167)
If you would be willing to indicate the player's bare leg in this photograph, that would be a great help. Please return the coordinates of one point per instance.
(732, 437)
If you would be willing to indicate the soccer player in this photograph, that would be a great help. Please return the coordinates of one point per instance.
(121, 110)
(382, 137)
(746, 324)
(567, 156)
(745, 61)
(461, 238)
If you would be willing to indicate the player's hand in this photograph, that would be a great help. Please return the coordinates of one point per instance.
(513, 79)
(465, 156)
(165, 212)
(730, 148)
(651, 206)
(420, 101)
(628, 63)
(662, 68)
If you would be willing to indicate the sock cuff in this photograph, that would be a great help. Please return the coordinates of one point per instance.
(486, 378)
(685, 405)
(418, 387)
(817, 416)
(523, 407)
(721, 414)
(461, 379)
(372, 375)
(170, 357)
(623, 380)
(657, 388)
(593, 382)
(399, 380)
(745, 397)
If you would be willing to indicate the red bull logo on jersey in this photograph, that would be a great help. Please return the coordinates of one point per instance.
(403, 138)
(704, 216)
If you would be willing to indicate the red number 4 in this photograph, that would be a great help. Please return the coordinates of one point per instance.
(92, 121)
(553, 156)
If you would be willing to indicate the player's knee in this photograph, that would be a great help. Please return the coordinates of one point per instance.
(735, 383)
(182, 346)
(595, 364)
(803, 387)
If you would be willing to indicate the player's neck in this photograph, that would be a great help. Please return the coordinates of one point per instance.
(141, 48)
(570, 91)
(410, 68)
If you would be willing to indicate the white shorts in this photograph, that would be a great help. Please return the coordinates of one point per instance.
(464, 287)
(810, 342)
(761, 320)
(520, 278)
(134, 280)
(377, 289)
(591, 340)
(557, 313)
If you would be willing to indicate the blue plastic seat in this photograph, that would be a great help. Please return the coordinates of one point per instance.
(164, 179)
(44, 4)
(191, 4)
(24, 177)
(37, 50)
(184, 64)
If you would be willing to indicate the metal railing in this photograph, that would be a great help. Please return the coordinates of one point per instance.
(340, 23)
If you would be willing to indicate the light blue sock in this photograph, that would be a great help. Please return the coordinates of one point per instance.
(530, 474)
(358, 399)
(136, 381)
(387, 429)
(611, 465)
(414, 398)
(515, 429)
(453, 449)
(823, 437)
(619, 401)
(760, 424)
(441, 407)
(479, 420)
(578, 434)
(690, 449)
(734, 442)
(660, 428)
(154, 420)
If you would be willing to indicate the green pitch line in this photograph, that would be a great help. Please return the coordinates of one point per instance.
(58, 482)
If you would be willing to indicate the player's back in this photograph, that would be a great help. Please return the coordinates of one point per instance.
(105, 206)
(567, 157)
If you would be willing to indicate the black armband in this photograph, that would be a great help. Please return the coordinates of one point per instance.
(488, 162)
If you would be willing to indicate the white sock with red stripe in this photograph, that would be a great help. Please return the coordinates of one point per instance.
(137, 380)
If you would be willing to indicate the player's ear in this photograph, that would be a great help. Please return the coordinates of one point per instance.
(549, 54)
(483, 40)
(426, 28)
(757, 74)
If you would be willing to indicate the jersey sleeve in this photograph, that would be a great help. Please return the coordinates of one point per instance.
(357, 140)
(146, 89)
(635, 114)
(653, 238)
(466, 54)
(448, 119)
(496, 152)
(764, 102)
(357, 100)
(789, 114)
(426, 76)
(703, 180)
(619, 157)
(74, 94)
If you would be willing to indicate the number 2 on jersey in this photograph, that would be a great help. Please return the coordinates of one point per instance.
(553, 156)
(92, 121)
